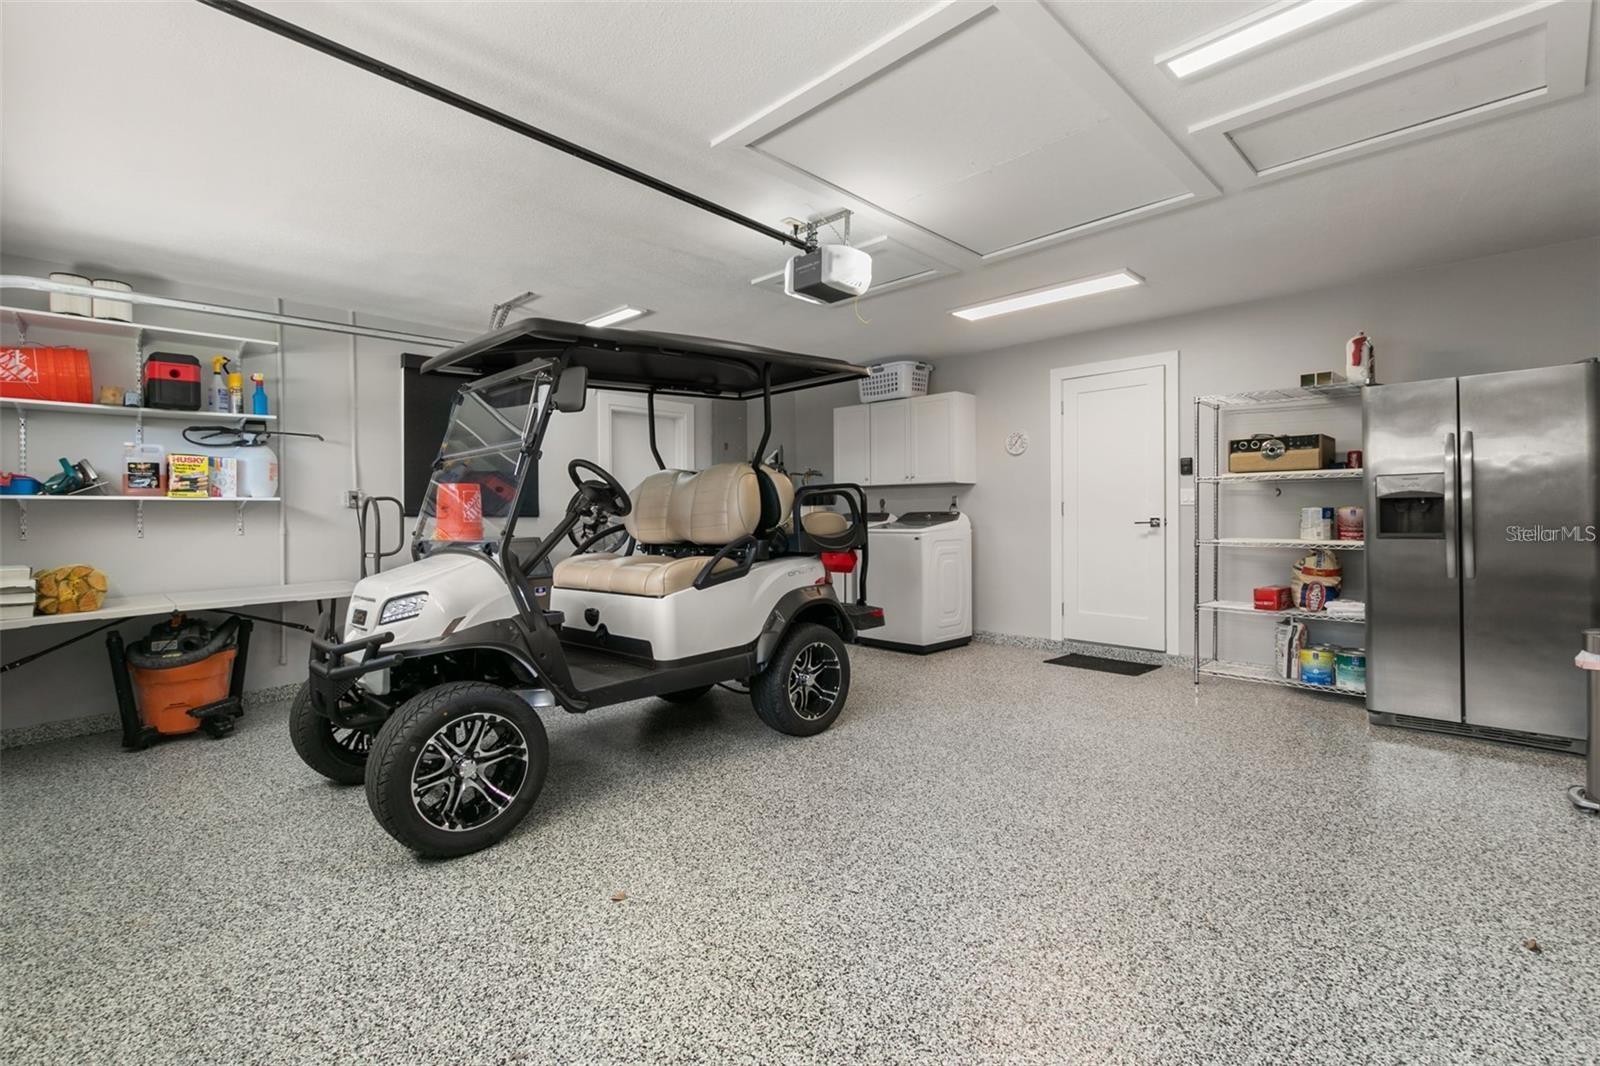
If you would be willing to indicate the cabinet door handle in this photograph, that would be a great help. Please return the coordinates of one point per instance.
(1153, 523)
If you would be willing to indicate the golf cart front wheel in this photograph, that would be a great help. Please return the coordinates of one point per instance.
(456, 768)
(803, 688)
(336, 753)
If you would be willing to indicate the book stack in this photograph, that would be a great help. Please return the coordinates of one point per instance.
(17, 592)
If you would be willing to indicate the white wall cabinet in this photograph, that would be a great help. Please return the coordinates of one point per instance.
(926, 440)
(852, 444)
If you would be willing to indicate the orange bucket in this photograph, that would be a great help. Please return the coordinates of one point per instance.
(165, 696)
(460, 507)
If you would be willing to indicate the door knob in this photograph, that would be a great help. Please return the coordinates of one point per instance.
(1153, 523)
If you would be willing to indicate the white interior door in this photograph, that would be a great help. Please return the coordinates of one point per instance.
(1114, 525)
(624, 446)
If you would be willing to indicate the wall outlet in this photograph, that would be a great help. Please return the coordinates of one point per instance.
(352, 498)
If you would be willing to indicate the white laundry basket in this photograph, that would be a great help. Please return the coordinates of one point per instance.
(895, 381)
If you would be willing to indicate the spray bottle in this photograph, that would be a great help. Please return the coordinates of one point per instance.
(235, 393)
(218, 400)
(258, 399)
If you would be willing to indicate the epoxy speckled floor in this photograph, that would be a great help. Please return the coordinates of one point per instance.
(987, 860)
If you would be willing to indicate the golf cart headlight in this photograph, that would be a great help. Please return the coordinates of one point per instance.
(402, 607)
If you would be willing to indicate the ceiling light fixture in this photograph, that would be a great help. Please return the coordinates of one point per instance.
(1072, 290)
(621, 314)
(1251, 32)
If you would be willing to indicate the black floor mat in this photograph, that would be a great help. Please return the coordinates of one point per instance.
(1105, 666)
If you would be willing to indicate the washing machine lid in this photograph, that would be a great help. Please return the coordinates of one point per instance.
(923, 519)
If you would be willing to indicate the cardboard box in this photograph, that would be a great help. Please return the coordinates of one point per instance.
(223, 475)
(187, 476)
(1267, 452)
(1273, 598)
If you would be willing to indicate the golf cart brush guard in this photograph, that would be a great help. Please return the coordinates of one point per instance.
(333, 673)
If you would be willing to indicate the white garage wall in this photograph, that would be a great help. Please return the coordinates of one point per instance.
(189, 548)
(1534, 307)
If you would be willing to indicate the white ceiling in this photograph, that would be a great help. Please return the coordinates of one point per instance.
(185, 144)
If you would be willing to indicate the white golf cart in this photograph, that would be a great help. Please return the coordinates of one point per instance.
(429, 694)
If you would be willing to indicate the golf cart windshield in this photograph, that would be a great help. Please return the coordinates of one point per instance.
(475, 491)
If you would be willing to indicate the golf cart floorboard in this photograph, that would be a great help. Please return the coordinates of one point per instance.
(604, 677)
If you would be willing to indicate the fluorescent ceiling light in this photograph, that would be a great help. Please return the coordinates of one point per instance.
(1251, 32)
(1072, 290)
(621, 314)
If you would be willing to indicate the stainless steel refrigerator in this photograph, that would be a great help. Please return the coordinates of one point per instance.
(1483, 565)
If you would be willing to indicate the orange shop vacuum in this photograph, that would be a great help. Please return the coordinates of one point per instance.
(183, 676)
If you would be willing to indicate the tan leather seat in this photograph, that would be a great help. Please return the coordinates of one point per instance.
(822, 523)
(711, 508)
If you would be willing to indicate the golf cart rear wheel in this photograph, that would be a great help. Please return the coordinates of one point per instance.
(338, 754)
(456, 768)
(688, 695)
(803, 689)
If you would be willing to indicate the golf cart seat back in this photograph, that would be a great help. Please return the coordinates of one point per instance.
(675, 508)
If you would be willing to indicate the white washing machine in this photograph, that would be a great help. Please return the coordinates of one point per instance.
(920, 572)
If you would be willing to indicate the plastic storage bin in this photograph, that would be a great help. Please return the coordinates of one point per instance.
(895, 381)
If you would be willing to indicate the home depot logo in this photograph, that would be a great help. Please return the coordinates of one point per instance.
(19, 365)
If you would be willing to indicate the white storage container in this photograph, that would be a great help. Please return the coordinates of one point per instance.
(119, 310)
(898, 380)
(62, 303)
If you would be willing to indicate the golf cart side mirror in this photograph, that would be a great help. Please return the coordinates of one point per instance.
(572, 391)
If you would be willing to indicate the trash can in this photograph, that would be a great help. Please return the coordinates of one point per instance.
(1586, 797)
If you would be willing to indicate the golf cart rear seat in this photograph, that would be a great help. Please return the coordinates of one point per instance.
(675, 508)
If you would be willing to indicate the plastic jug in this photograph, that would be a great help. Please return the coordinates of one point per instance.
(144, 469)
(258, 470)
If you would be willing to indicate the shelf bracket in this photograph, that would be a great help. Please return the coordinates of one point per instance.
(22, 330)
(22, 441)
(22, 520)
(138, 519)
(238, 518)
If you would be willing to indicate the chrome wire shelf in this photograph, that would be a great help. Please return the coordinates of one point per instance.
(1342, 391)
(1246, 607)
(1264, 675)
(1285, 542)
(1340, 474)
(1208, 602)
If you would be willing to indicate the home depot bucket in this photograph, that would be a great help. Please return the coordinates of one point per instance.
(460, 507)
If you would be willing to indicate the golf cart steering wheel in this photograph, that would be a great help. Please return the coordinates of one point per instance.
(606, 494)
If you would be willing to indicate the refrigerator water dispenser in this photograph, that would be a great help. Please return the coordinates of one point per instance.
(1410, 505)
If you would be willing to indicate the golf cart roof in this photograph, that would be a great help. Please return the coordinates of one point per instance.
(636, 361)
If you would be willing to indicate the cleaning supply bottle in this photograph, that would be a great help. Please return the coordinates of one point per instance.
(235, 393)
(218, 398)
(258, 399)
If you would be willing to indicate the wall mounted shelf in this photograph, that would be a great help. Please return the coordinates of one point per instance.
(196, 600)
(108, 411)
(27, 318)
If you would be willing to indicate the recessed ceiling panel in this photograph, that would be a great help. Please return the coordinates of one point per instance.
(1468, 80)
(978, 138)
(1512, 61)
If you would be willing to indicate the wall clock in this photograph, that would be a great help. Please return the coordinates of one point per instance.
(1017, 443)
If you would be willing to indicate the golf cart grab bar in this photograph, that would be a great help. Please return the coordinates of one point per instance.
(709, 575)
(855, 537)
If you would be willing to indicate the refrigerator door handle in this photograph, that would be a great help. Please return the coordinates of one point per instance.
(1469, 550)
(1450, 506)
